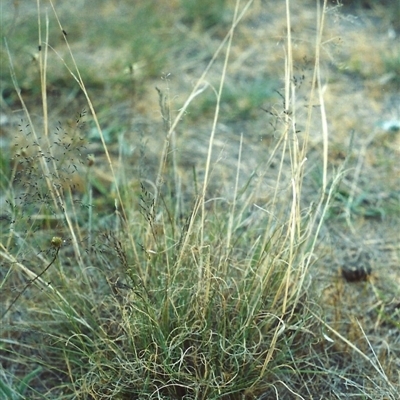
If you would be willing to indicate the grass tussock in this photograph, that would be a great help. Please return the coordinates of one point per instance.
(177, 279)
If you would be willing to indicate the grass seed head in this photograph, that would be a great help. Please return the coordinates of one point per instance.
(56, 242)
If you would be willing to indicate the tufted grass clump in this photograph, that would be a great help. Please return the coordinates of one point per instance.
(144, 285)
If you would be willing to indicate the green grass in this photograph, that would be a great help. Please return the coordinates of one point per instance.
(241, 100)
(17, 390)
(206, 14)
(120, 57)
(163, 286)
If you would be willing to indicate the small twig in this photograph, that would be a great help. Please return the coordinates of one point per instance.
(56, 242)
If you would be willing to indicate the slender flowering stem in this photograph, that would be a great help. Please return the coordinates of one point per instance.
(56, 242)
